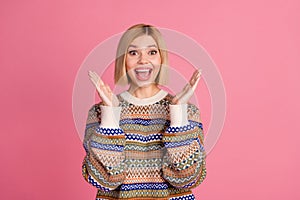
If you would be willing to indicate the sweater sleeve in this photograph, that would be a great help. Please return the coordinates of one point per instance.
(184, 160)
(103, 165)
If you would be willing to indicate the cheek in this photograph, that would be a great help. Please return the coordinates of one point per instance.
(158, 58)
(128, 64)
(131, 62)
(157, 61)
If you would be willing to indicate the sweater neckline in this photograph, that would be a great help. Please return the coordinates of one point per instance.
(145, 101)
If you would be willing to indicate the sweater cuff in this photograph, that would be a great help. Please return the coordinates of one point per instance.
(178, 115)
(110, 116)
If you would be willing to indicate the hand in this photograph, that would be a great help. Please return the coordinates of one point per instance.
(188, 91)
(104, 91)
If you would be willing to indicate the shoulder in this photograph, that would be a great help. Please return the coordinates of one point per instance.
(193, 112)
(95, 108)
(192, 108)
(94, 112)
(167, 100)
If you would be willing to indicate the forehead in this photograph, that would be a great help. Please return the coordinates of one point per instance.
(143, 42)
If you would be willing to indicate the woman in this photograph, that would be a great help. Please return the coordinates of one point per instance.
(143, 143)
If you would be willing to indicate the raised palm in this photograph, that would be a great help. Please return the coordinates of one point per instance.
(104, 91)
(187, 92)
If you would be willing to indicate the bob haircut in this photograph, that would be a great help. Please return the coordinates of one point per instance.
(130, 34)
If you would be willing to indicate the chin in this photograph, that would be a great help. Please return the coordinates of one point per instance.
(145, 84)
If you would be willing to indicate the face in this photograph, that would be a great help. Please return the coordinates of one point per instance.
(142, 61)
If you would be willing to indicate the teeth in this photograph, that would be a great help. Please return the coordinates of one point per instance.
(142, 70)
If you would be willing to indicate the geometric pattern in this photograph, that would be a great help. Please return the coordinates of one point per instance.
(186, 197)
(145, 157)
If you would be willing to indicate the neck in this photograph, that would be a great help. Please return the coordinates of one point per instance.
(144, 92)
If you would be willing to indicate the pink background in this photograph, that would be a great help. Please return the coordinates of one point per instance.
(255, 46)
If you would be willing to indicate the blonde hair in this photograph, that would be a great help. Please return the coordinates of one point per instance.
(130, 34)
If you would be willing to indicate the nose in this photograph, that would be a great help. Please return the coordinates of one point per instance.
(143, 58)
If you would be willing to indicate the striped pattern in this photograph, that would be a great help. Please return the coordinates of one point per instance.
(144, 158)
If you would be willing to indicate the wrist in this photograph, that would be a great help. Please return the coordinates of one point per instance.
(178, 115)
(110, 116)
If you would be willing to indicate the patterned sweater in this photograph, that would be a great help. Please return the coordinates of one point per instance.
(144, 149)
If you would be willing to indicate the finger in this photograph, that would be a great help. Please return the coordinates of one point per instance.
(100, 81)
(196, 83)
(189, 88)
(97, 83)
(93, 74)
(194, 77)
(200, 71)
(108, 88)
(90, 72)
(93, 81)
(178, 97)
(107, 91)
(192, 81)
(105, 97)
(103, 89)
(96, 77)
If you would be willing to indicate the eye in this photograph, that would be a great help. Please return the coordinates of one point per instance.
(133, 52)
(153, 52)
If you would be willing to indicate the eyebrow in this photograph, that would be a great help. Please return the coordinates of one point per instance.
(134, 46)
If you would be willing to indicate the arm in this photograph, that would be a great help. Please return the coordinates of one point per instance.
(184, 161)
(103, 165)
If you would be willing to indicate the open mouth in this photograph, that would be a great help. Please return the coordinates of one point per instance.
(143, 74)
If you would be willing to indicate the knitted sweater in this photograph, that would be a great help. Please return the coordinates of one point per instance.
(144, 149)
